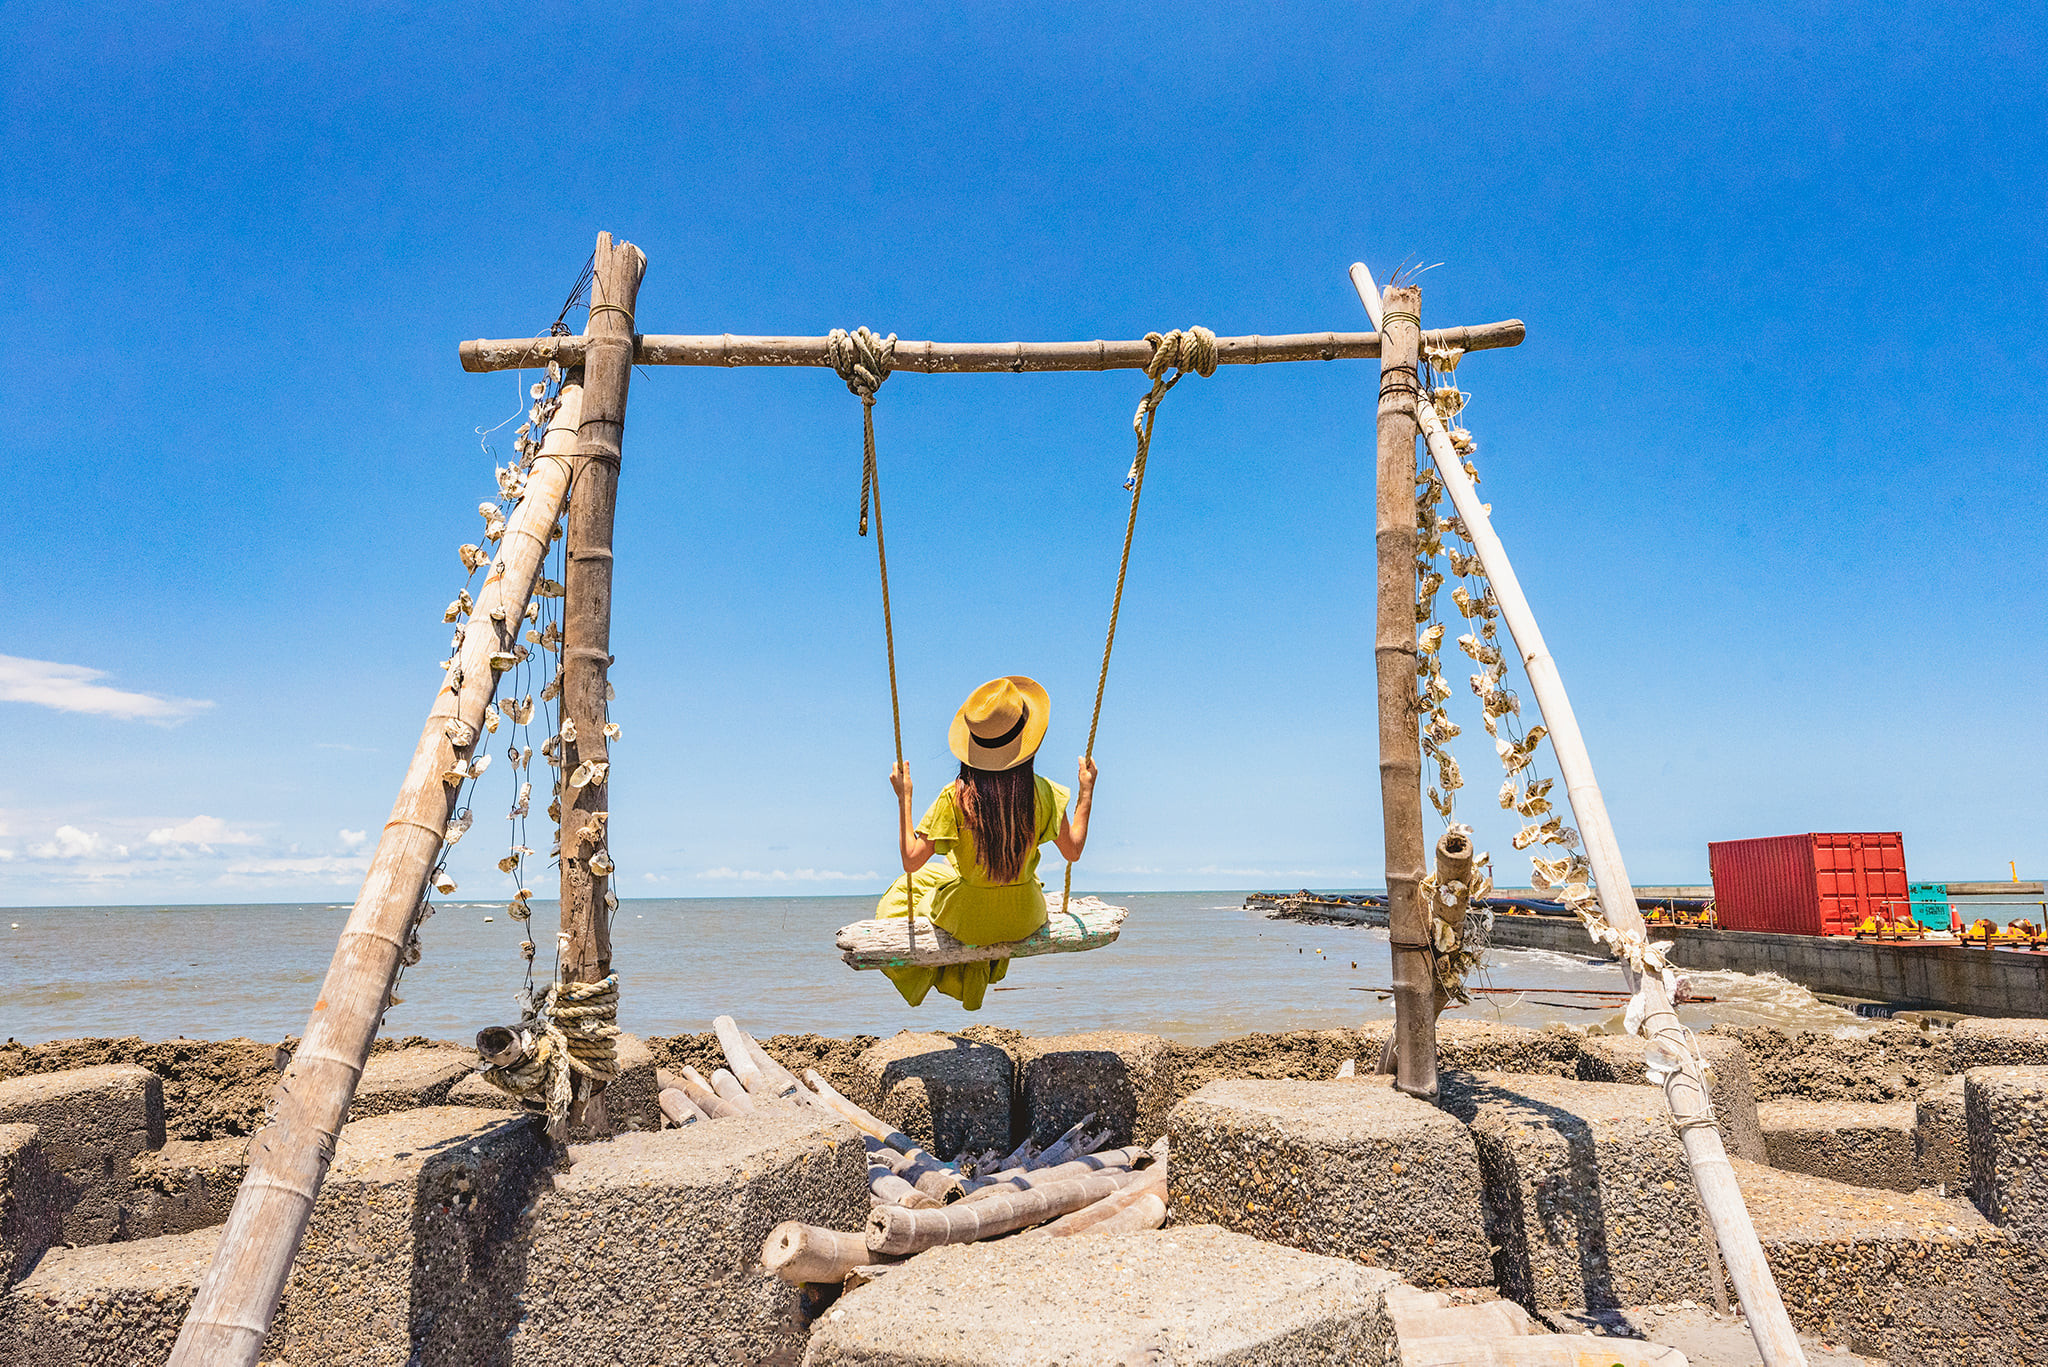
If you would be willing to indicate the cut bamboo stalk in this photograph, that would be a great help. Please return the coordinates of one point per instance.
(677, 1106)
(1023, 1179)
(1454, 855)
(798, 1253)
(1684, 1089)
(586, 956)
(737, 1058)
(1056, 1152)
(933, 1178)
(728, 1086)
(779, 1077)
(1400, 745)
(1348, 1068)
(940, 358)
(891, 1229)
(231, 1312)
(704, 1099)
(1153, 1179)
(1147, 1212)
(891, 1190)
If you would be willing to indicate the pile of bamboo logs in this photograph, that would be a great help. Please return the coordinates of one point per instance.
(1071, 1186)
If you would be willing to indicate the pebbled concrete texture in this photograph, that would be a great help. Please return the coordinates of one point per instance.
(474, 1091)
(1477, 1046)
(1128, 1081)
(1707, 1338)
(949, 1093)
(1985, 1042)
(1862, 1143)
(1893, 1063)
(646, 1249)
(407, 1079)
(1188, 1295)
(633, 1100)
(30, 1202)
(185, 1185)
(1588, 1196)
(1619, 1058)
(413, 1254)
(114, 1305)
(1941, 1139)
(1348, 1168)
(92, 1123)
(2007, 1113)
(1910, 1277)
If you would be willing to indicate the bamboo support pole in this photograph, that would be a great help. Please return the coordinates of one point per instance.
(586, 954)
(951, 358)
(894, 1230)
(1400, 744)
(1686, 1089)
(231, 1312)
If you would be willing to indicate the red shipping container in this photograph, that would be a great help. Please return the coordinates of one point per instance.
(1817, 884)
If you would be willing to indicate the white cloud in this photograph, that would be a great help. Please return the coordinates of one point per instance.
(6, 855)
(352, 838)
(71, 843)
(724, 875)
(201, 833)
(70, 688)
(331, 869)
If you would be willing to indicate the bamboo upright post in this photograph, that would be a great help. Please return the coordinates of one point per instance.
(586, 950)
(288, 1157)
(1400, 747)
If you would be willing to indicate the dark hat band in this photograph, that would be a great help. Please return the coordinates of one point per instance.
(998, 742)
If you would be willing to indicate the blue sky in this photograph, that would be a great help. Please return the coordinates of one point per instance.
(1771, 460)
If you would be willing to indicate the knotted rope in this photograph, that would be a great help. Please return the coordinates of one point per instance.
(1183, 353)
(572, 1032)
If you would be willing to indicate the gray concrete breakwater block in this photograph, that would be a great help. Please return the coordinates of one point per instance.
(407, 1079)
(1349, 1168)
(1127, 1081)
(1187, 1295)
(1981, 1042)
(1862, 1143)
(185, 1185)
(1941, 1139)
(30, 1202)
(413, 1254)
(1588, 1196)
(949, 1093)
(1619, 1058)
(2007, 1110)
(92, 1123)
(646, 1249)
(114, 1305)
(1894, 1063)
(1910, 1277)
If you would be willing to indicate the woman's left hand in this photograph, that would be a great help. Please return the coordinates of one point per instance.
(899, 779)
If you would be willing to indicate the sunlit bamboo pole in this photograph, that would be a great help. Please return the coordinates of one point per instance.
(288, 1157)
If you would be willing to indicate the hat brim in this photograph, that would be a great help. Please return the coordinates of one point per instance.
(961, 741)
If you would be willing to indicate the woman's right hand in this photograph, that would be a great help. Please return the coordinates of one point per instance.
(1085, 775)
(899, 779)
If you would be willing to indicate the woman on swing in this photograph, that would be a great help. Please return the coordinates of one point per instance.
(988, 823)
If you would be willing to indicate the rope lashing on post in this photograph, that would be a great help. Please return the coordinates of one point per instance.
(573, 1031)
(1192, 352)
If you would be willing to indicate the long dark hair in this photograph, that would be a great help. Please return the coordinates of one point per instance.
(1001, 807)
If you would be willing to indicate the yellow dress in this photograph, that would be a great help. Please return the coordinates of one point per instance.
(958, 897)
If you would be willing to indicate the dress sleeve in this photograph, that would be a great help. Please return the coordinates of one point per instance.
(1052, 804)
(941, 824)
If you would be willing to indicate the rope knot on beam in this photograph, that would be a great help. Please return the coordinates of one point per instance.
(1192, 352)
(862, 359)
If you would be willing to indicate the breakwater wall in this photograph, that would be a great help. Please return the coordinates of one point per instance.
(1976, 982)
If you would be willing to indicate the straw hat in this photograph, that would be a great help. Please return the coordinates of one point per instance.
(1001, 724)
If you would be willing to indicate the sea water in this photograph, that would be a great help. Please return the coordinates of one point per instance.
(1192, 966)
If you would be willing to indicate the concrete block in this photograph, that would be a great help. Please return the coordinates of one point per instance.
(474, 1092)
(1479, 1046)
(30, 1202)
(949, 1093)
(1909, 1277)
(1127, 1081)
(1619, 1058)
(91, 1123)
(1893, 1063)
(1588, 1196)
(1996, 1042)
(633, 1100)
(413, 1253)
(1862, 1143)
(2007, 1112)
(112, 1305)
(1348, 1168)
(1941, 1139)
(647, 1249)
(406, 1079)
(185, 1185)
(1186, 1296)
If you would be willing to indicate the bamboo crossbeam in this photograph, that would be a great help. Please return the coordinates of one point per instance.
(956, 358)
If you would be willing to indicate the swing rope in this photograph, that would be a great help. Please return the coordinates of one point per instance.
(1184, 353)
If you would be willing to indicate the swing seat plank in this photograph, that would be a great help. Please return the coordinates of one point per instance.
(899, 941)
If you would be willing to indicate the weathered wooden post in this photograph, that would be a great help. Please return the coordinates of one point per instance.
(1414, 1039)
(586, 946)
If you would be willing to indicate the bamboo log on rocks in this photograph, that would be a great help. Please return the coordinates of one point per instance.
(1056, 1152)
(892, 1229)
(677, 1106)
(780, 1080)
(704, 1099)
(738, 1059)
(798, 1253)
(231, 1312)
(891, 1190)
(942, 358)
(1023, 1179)
(935, 1179)
(1153, 1179)
(893, 941)
(1147, 1212)
(1684, 1083)
(728, 1086)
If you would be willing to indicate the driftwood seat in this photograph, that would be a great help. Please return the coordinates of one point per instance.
(896, 941)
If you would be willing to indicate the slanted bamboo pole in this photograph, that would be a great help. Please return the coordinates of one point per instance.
(1147, 1212)
(892, 1229)
(1153, 1181)
(943, 358)
(1400, 743)
(231, 1312)
(1686, 1088)
(586, 954)
(739, 1059)
(677, 1106)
